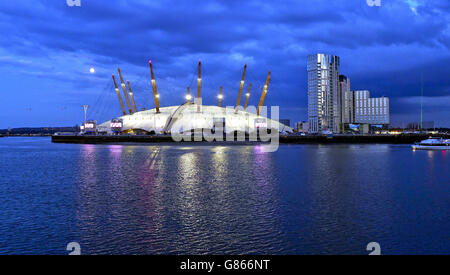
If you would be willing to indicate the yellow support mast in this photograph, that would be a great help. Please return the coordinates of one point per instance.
(118, 95)
(188, 96)
(127, 99)
(247, 96)
(238, 102)
(263, 95)
(131, 97)
(155, 91)
(220, 97)
(199, 86)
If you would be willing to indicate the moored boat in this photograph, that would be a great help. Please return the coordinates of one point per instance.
(434, 143)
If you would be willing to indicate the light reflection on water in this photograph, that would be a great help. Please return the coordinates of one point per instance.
(302, 199)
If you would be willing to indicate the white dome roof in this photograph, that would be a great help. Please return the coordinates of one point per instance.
(186, 117)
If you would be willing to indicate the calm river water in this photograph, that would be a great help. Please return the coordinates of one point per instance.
(185, 199)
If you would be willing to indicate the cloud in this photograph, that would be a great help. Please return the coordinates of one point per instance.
(409, 109)
(384, 49)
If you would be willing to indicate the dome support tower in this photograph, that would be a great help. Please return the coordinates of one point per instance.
(263, 95)
(220, 96)
(238, 102)
(155, 91)
(188, 96)
(199, 87)
(131, 97)
(247, 96)
(118, 95)
(125, 93)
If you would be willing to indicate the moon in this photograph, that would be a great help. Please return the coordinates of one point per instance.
(92, 70)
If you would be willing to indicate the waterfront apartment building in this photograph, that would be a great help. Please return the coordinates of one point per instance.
(369, 110)
(345, 100)
(332, 106)
(323, 93)
(302, 126)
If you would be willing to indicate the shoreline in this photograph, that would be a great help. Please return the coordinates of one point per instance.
(339, 139)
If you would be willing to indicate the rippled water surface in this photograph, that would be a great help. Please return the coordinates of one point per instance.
(175, 199)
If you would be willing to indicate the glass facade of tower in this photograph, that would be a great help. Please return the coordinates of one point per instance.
(345, 101)
(323, 93)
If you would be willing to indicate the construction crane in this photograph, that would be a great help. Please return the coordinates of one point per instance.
(127, 99)
(199, 86)
(131, 97)
(238, 102)
(220, 97)
(155, 91)
(263, 95)
(118, 95)
(247, 96)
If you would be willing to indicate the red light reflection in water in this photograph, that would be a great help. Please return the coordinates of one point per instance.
(261, 158)
(88, 148)
(259, 149)
(88, 156)
(115, 149)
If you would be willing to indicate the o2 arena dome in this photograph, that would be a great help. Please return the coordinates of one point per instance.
(180, 119)
(190, 116)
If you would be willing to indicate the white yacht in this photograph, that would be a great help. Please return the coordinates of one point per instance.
(433, 143)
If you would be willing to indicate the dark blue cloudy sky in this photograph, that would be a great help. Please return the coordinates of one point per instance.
(47, 48)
